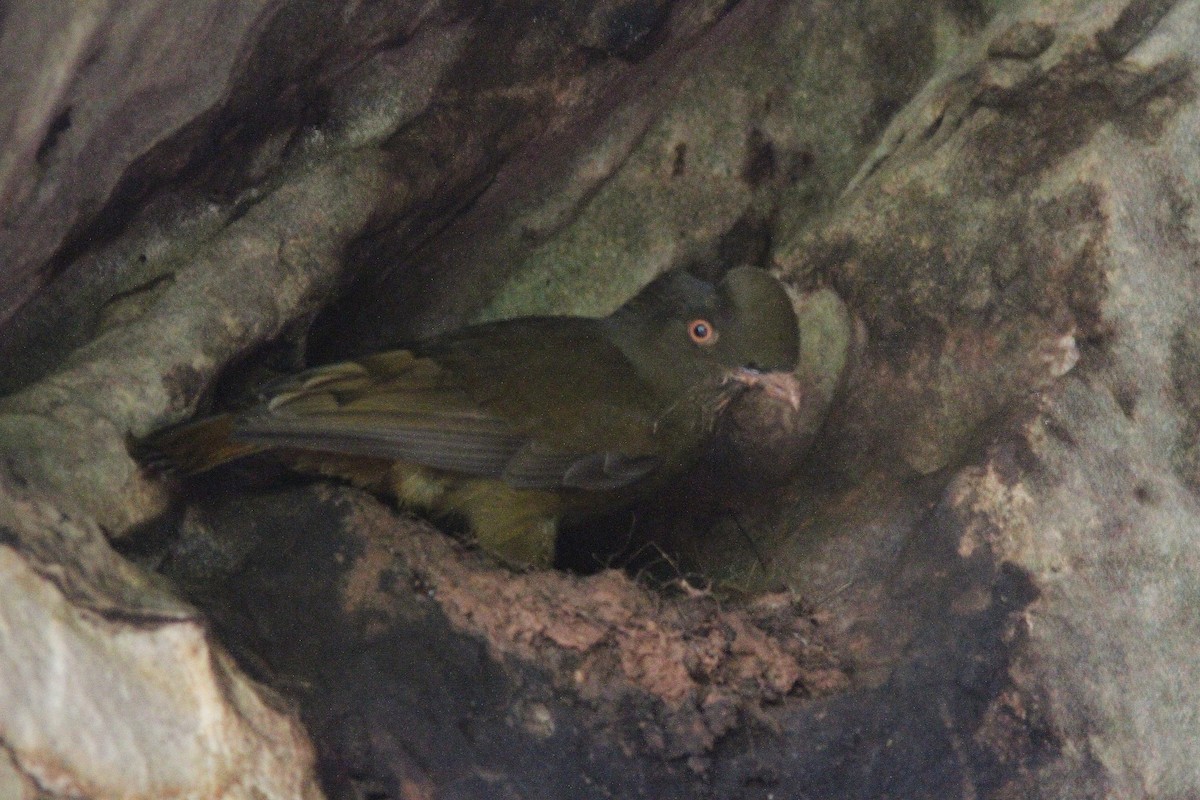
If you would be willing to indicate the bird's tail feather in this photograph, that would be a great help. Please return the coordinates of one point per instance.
(192, 447)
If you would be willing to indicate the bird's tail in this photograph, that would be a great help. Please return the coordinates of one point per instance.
(192, 447)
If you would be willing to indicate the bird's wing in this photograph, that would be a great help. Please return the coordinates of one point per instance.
(400, 406)
(560, 379)
(537, 466)
(393, 405)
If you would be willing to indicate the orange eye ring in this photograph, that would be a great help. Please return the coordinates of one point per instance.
(701, 331)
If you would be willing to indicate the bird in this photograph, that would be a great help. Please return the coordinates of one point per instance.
(517, 425)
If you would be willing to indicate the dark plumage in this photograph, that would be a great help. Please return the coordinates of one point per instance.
(517, 423)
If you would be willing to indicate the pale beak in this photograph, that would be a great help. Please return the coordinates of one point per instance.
(781, 385)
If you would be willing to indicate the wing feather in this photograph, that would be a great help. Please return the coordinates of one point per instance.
(404, 407)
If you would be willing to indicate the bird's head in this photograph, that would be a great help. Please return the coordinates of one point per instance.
(682, 332)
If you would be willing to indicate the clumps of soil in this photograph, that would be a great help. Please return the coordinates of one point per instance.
(686, 667)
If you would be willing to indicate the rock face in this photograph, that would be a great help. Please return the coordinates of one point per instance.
(982, 583)
(112, 687)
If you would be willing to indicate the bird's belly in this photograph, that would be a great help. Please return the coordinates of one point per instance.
(519, 526)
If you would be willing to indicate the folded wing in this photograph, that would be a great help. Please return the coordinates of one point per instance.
(403, 407)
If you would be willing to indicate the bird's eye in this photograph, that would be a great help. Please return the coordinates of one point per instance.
(702, 331)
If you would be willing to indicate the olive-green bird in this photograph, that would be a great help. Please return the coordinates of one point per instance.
(519, 423)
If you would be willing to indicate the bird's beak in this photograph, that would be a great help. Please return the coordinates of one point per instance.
(781, 385)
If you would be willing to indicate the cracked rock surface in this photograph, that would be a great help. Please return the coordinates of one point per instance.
(980, 585)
